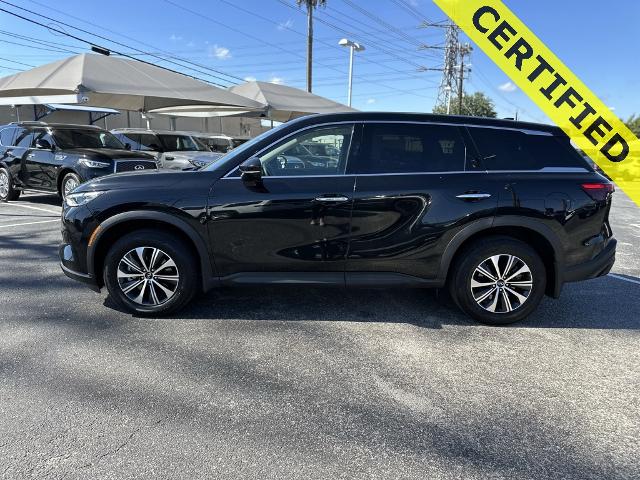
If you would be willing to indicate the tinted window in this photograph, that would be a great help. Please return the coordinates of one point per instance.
(406, 148)
(290, 157)
(6, 136)
(149, 142)
(42, 136)
(78, 138)
(513, 150)
(23, 138)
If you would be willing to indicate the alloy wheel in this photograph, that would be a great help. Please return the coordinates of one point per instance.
(69, 185)
(501, 283)
(148, 276)
(4, 184)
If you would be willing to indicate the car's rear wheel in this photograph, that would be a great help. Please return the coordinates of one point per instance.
(7, 190)
(498, 280)
(69, 183)
(150, 273)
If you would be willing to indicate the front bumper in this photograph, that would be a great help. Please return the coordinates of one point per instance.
(81, 277)
(596, 267)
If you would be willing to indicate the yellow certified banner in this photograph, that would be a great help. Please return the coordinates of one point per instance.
(552, 86)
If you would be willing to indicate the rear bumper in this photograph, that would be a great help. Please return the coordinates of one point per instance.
(596, 267)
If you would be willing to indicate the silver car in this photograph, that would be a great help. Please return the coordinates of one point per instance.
(173, 150)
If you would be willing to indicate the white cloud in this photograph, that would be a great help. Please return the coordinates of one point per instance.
(175, 38)
(277, 80)
(249, 79)
(285, 25)
(413, 3)
(221, 53)
(371, 101)
(191, 44)
(507, 87)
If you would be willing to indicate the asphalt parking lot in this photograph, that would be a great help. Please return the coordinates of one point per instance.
(283, 383)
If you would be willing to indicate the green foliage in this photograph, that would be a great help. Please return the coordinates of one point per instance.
(633, 122)
(475, 105)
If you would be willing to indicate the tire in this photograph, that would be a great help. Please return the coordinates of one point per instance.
(156, 296)
(8, 192)
(69, 182)
(505, 302)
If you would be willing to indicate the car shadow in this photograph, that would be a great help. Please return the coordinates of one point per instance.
(42, 199)
(604, 303)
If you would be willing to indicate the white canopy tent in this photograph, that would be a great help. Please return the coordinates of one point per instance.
(281, 103)
(105, 81)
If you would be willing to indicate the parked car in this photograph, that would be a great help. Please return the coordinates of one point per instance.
(173, 150)
(219, 142)
(58, 157)
(499, 212)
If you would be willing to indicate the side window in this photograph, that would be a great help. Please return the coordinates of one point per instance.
(148, 142)
(6, 136)
(514, 150)
(23, 138)
(291, 158)
(42, 139)
(132, 139)
(408, 148)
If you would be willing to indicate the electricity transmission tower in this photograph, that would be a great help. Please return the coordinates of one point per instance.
(453, 69)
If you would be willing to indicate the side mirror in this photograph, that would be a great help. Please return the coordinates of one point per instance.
(127, 146)
(251, 170)
(43, 144)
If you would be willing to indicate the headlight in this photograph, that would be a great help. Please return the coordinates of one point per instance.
(198, 163)
(94, 164)
(81, 198)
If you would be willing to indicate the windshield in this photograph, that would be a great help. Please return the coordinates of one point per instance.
(67, 138)
(181, 143)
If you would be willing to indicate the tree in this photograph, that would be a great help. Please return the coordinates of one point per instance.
(311, 6)
(476, 105)
(633, 122)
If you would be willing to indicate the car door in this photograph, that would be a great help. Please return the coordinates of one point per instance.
(20, 151)
(416, 187)
(42, 163)
(294, 225)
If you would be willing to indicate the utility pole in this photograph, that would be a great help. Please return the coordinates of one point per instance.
(463, 50)
(309, 45)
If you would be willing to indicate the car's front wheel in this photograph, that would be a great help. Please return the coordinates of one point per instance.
(498, 280)
(69, 183)
(7, 190)
(150, 273)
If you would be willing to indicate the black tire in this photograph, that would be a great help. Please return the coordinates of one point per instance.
(66, 182)
(170, 246)
(8, 192)
(464, 272)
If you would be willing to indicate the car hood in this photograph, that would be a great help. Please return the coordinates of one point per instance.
(106, 154)
(145, 179)
(195, 155)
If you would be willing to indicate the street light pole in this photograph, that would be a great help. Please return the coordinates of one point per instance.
(448, 90)
(353, 47)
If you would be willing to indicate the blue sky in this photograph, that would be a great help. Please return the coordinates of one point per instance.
(265, 40)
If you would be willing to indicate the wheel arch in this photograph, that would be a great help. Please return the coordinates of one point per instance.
(535, 234)
(127, 222)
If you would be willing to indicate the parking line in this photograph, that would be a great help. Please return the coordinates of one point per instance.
(14, 204)
(29, 223)
(619, 277)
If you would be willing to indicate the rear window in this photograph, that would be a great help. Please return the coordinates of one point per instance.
(514, 150)
(409, 148)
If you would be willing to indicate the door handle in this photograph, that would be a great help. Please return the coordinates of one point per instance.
(31, 155)
(332, 198)
(473, 196)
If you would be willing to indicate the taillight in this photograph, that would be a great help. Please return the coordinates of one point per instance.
(598, 191)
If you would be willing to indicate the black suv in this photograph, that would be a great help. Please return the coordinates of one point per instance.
(501, 212)
(59, 157)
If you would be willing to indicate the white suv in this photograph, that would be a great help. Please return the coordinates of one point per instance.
(173, 150)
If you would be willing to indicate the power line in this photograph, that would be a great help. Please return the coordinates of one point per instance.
(16, 62)
(114, 42)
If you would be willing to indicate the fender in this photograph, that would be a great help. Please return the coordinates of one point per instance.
(507, 221)
(208, 277)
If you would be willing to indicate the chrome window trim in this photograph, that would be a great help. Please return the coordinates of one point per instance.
(409, 122)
